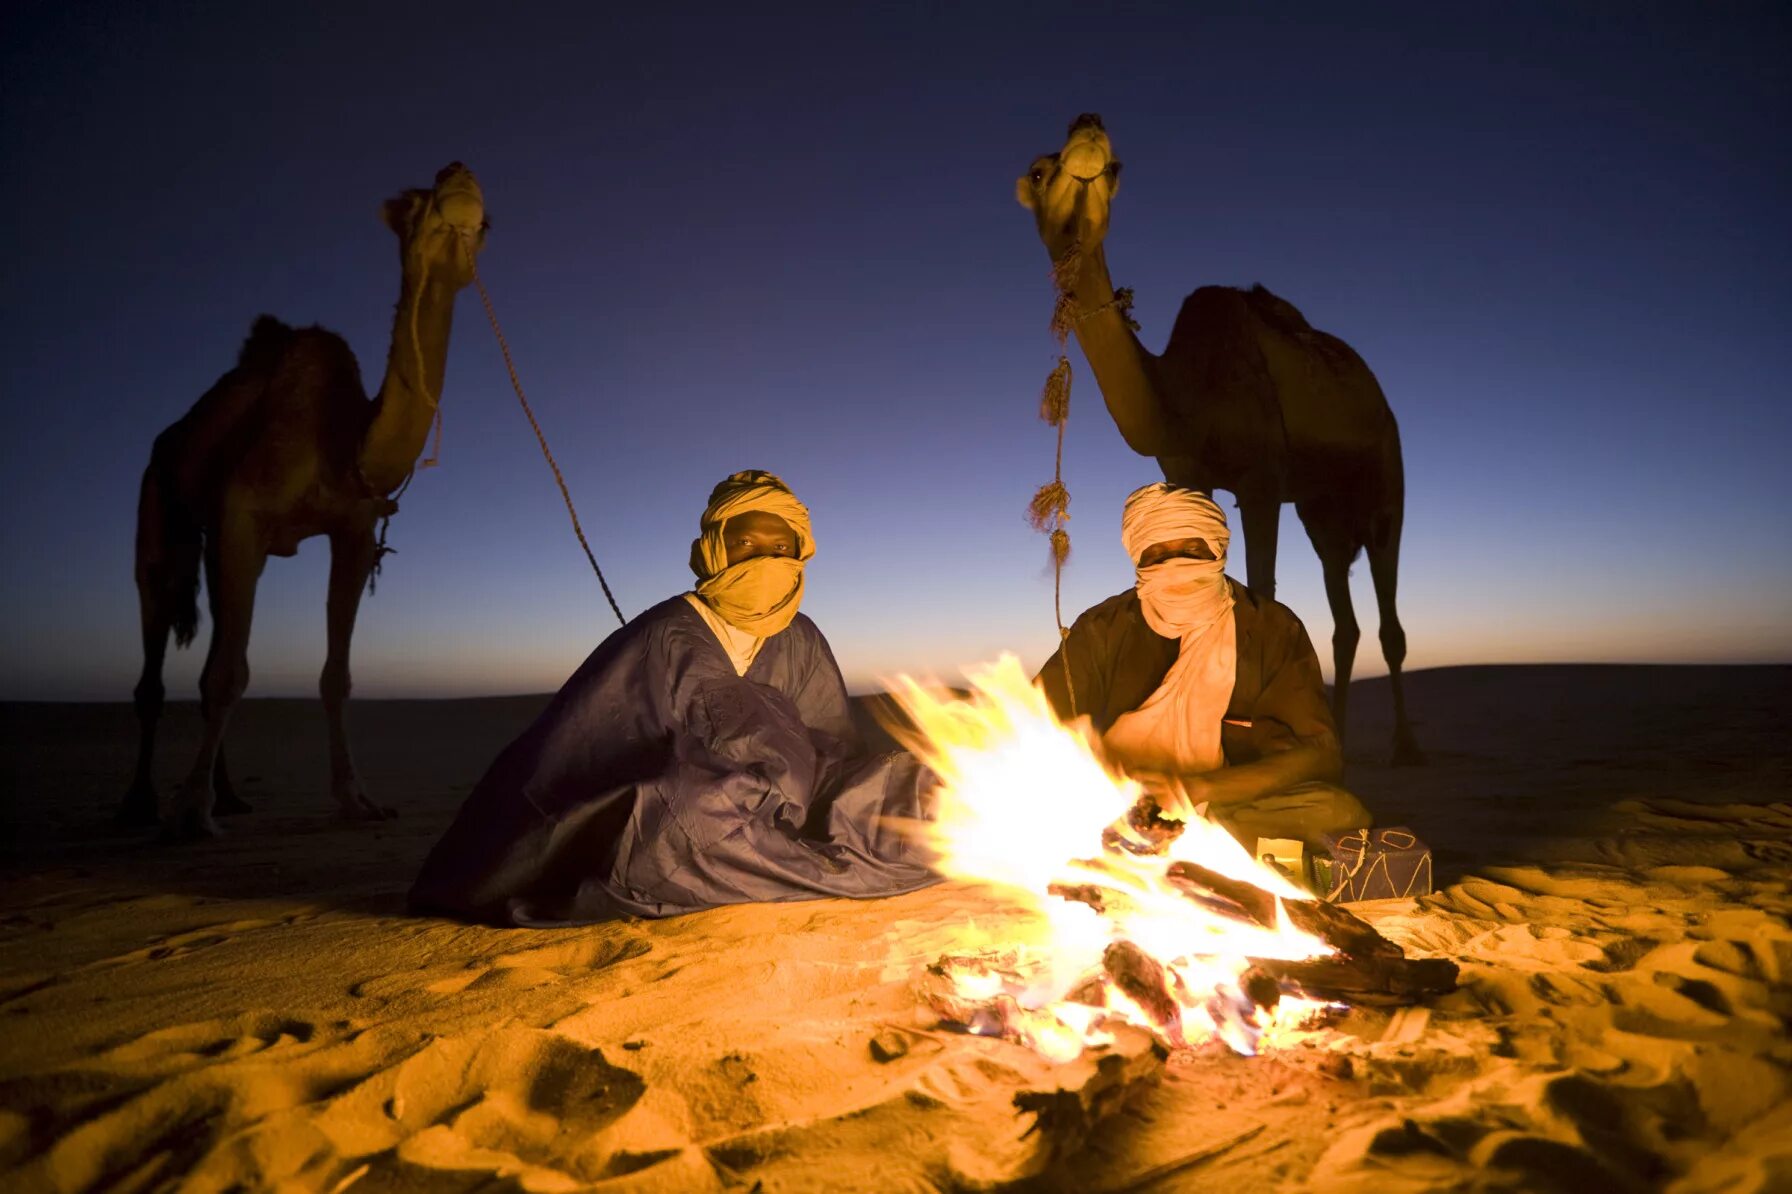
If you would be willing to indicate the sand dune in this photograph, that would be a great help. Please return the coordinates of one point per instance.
(1612, 847)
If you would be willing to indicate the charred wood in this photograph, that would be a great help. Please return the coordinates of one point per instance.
(1141, 978)
(1377, 981)
(1337, 927)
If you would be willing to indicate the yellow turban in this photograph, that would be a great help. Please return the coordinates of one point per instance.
(759, 596)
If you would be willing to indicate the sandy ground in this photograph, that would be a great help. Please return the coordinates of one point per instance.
(259, 1013)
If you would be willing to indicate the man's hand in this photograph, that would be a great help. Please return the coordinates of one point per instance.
(1175, 796)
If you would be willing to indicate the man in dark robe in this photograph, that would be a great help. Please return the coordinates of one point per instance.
(1206, 694)
(704, 754)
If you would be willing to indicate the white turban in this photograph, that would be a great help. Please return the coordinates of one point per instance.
(1162, 512)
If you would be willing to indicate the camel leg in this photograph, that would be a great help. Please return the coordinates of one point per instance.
(233, 563)
(225, 801)
(1261, 521)
(1336, 547)
(351, 559)
(1384, 567)
(139, 807)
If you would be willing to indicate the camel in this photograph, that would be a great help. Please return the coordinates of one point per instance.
(285, 446)
(1246, 397)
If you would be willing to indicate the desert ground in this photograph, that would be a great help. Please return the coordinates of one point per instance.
(1614, 866)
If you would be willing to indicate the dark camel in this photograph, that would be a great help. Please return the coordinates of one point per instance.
(1246, 397)
(285, 446)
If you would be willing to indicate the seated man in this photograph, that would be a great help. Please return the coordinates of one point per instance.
(704, 754)
(1209, 696)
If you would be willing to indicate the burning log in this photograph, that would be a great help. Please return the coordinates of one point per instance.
(1370, 969)
(1144, 831)
(1384, 982)
(1142, 979)
(1335, 926)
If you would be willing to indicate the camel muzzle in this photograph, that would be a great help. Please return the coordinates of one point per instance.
(1087, 154)
(459, 198)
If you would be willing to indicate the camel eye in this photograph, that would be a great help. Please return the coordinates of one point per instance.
(1037, 174)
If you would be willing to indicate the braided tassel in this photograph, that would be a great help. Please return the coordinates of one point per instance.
(1050, 508)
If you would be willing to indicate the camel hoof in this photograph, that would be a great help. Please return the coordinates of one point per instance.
(192, 825)
(1408, 754)
(360, 808)
(229, 804)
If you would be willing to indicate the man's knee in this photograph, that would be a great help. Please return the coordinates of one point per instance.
(1306, 812)
(1333, 808)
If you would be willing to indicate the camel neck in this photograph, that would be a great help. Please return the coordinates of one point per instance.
(1126, 372)
(415, 366)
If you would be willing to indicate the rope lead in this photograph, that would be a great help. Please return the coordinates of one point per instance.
(1050, 508)
(504, 347)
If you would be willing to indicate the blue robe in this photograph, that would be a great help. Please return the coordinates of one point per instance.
(658, 782)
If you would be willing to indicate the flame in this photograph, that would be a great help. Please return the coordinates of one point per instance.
(1022, 805)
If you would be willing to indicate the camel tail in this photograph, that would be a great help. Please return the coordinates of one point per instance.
(170, 543)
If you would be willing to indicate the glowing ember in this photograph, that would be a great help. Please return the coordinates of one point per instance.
(1024, 804)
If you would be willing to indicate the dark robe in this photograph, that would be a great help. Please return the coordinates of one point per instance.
(1117, 661)
(659, 782)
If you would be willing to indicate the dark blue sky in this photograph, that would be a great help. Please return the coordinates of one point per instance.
(750, 237)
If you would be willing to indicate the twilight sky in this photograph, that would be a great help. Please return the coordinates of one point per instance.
(737, 236)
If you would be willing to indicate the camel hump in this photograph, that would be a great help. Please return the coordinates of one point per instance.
(1276, 310)
(268, 338)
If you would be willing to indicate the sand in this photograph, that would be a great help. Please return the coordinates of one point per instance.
(1612, 848)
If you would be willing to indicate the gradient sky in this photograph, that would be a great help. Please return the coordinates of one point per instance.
(742, 236)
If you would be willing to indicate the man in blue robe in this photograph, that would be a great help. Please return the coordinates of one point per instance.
(704, 754)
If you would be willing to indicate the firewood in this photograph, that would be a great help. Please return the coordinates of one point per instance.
(1338, 928)
(1376, 981)
(1106, 900)
(1261, 988)
(1092, 894)
(1341, 929)
(1143, 831)
(1142, 979)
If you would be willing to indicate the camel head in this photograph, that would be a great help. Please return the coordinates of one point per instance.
(1068, 192)
(441, 228)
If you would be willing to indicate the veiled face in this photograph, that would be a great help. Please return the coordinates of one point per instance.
(1172, 549)
(755, 533)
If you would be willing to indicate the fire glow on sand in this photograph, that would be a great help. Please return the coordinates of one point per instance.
(1175, 929)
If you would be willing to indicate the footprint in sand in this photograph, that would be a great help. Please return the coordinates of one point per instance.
(539, 1108)
(211, 1040)
(180, 944)
(518, 971)
(269, 1102)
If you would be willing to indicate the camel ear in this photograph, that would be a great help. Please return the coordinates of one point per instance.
(395, 212)
(1023, 192)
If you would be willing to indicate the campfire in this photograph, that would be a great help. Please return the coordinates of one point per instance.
(1172, 928)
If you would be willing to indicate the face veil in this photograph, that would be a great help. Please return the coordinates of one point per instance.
(762, 595)
(1177, 729)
